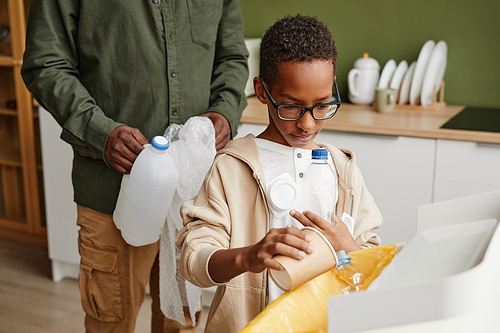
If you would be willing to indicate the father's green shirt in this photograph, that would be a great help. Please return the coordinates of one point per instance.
(96, 65)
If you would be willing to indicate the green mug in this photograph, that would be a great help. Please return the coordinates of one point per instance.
(386, 99)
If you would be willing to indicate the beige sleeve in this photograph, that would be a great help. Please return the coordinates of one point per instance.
(207, 228)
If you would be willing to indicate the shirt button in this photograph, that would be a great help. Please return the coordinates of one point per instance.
(155, 1)
(301, 175)
(175, 112)
(163, 35)
(172, 74)
(299, 155)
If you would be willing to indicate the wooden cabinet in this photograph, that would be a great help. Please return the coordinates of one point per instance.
(21, 194)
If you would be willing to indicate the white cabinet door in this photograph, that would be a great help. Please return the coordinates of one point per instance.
(398, 172)
(245, 129)
(62, 231)
(465, 168)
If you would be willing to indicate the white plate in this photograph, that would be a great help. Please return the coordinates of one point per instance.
(387, 73)
(434, 73)
(418, 75)
(398, 75)
(405, 86)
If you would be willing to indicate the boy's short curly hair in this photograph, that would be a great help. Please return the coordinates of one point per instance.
(295, 38)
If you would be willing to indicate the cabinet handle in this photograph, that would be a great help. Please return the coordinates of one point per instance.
(376, 135)
(487, 144)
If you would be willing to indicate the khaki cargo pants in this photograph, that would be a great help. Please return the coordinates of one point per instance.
(113, 278)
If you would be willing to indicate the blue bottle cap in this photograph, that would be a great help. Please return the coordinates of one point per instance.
(320, 154)
(343, 255)
(160, 142)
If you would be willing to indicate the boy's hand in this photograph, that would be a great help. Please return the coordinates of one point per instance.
(337, 233)
(289, 241)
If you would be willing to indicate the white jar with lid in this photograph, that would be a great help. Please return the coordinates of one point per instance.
(363, 79)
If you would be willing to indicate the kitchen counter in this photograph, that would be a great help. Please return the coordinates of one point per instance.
(401, 122)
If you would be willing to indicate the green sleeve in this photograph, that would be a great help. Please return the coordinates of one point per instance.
(230, 72)
(50, 72)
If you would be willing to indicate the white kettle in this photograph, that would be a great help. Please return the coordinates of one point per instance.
(363, 79)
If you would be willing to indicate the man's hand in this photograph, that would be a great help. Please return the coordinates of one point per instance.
(123, 145)
(222, 129)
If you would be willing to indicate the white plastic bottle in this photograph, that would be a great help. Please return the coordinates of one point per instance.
(320, 185)
(146, 194)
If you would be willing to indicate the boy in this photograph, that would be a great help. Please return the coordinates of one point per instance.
(230, 231)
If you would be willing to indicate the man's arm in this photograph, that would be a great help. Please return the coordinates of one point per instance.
(230, 71)
(50, 72)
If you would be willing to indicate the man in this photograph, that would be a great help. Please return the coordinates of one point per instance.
(114, 74)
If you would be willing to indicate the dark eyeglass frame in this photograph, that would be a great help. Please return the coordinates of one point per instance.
(304, 108)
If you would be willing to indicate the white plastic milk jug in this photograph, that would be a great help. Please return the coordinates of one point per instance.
(146, 194)
(363, 79)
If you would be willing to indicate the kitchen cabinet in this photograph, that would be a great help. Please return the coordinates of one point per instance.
(21, 195)
(465, 168)
(398, 172)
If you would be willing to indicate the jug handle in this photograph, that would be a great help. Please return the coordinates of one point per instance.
(350, 81)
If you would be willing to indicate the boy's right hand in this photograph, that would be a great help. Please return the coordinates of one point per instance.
(289, 241)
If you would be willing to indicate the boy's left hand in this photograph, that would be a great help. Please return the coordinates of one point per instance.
(337, 233)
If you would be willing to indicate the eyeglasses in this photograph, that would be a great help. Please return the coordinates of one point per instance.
(295, 112)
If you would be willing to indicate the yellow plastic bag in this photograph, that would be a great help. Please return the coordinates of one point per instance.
(304, 309)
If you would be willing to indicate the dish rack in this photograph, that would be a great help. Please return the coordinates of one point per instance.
(434, 106)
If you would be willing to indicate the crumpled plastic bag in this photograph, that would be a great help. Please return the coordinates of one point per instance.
(192, 147)
(305, 309)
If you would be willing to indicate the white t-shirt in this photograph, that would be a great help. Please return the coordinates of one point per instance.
(277, 160)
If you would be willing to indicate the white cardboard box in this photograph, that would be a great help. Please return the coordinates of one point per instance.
(448, 270)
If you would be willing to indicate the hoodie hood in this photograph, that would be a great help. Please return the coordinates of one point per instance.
(247, 151)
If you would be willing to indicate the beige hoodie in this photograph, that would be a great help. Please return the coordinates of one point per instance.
(230, 211)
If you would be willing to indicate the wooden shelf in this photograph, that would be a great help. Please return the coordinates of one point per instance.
(4, 112)
(7, 61)
(13, 113)
(10, 156)
(13, 226)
